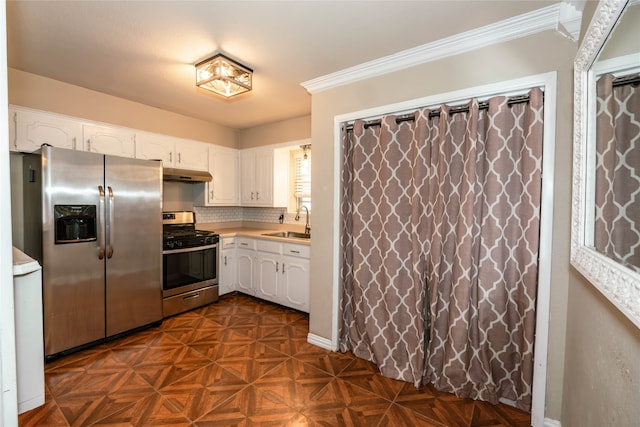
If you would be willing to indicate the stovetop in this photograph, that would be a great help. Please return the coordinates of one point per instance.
(182, 232)
(179, 232)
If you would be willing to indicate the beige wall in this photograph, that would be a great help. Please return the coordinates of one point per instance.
(41, 93)
(602, 366)
(541, 53)
(275, 133)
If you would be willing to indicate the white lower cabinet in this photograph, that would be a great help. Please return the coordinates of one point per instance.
(245, 259)
(228, 266)
(295, 277)
(270, 270)
(283, 274)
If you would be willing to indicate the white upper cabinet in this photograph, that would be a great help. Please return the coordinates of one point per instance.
(191, 155)
(174, 152)
(223, 189)
(152, 146)
(247, 177)
(264, 177)
(111, 140)
(28, 130)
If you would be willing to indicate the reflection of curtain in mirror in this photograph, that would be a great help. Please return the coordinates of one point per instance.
(617, 195)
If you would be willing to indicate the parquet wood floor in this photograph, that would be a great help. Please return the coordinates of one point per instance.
(240, 362)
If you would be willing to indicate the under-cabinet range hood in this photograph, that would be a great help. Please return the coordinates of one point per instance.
(184, 175)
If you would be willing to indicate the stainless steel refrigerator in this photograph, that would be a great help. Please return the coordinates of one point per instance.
(95, 224)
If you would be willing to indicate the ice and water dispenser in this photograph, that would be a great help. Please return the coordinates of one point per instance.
(75, 223)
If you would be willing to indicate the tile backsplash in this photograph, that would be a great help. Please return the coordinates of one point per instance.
(234, 213)
(178, 196)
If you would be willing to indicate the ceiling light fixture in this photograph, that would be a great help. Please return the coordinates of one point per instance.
(223, 76)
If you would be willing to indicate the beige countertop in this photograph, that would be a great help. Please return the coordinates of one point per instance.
(255, 230)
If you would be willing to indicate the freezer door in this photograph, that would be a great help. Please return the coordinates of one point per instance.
(134, 243)
(72, 272)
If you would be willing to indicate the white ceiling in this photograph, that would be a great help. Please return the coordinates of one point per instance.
(144, 51)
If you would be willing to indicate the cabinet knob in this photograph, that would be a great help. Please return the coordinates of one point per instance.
(277, 264)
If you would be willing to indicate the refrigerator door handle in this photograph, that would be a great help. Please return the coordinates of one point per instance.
(100, 225)
(111, 201)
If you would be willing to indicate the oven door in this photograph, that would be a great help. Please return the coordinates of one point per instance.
(188, 269)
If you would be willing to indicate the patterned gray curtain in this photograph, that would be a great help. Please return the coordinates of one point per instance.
(617, 195)
(384, 176)
(440, 223)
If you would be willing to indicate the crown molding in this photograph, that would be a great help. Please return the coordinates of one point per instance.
(570, 18)
(543, 19)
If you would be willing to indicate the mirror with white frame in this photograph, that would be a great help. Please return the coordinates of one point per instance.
(605, 235)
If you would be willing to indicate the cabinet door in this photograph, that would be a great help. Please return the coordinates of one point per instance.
(109, 140)
(295, 283)
(247, 177)
(267, 276)
(29, 130)
(263, 182)
(228, 271)
(223, 166)
(245, 261)
(155, 147)
(192, 155)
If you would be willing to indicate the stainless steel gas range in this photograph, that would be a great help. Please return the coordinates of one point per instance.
(190, 264)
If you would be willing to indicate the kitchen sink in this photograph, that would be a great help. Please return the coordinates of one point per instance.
(288, 234)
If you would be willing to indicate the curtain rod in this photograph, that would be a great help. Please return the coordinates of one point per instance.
(462, 109)
(633, 79)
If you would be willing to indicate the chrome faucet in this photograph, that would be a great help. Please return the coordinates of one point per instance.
(307, 227)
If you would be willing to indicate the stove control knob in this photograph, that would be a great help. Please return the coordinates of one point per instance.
(208, 240)
(179, 244)
(169, 245)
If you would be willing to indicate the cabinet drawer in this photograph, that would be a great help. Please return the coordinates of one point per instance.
(269, 246)
(302, 251)
(246, 243)
(228, 242)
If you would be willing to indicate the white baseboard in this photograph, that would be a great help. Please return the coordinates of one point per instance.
(548, 422)
(319, 341)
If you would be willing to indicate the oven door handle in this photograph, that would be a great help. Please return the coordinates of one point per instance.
(195, 249)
